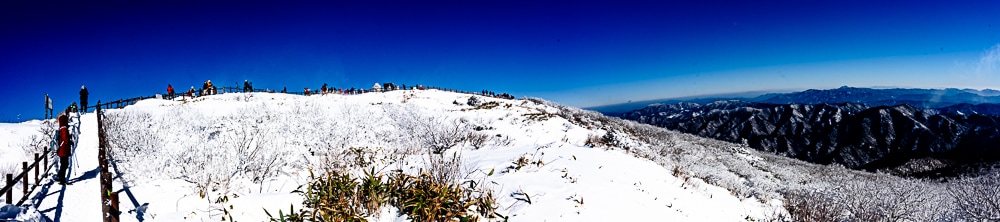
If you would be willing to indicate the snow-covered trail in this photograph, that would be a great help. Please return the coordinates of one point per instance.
(80, 201)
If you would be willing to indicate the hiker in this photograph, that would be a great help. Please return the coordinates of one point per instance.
(284, 89)
(307, 92)
(246, 86)
(72, 107)
(48, 106)
(170, 91)
(204, 87)
(64, 147)
(211, 88)
(323, 89)
(83, 97)
(207, 88)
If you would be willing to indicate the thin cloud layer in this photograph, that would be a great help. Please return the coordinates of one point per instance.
(989, 62)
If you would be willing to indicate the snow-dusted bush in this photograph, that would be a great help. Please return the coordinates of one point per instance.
(130, 135)
(814, 205)
(977, 198)
(473, 101)
(215, 151)
(42, 140)
(434, 132)
(868, 198)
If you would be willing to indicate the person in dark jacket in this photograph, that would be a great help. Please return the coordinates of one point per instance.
(83, 97)
(64, 147)
(246, 86)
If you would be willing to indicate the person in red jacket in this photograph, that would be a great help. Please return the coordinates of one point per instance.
(170, 91)
(65, 145)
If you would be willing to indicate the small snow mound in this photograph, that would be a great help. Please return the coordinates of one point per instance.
(155, 103)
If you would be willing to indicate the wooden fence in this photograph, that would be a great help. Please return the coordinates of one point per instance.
(109, 198)
(12, 180)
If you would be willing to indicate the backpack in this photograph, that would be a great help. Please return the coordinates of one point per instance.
(54, 145)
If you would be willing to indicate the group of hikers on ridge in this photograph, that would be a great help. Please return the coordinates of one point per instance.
(209, 89)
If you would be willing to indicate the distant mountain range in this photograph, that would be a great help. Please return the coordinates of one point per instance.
(960, 100)
(919, 132)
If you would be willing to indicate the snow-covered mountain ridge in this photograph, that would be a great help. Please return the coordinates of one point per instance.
(189, 160)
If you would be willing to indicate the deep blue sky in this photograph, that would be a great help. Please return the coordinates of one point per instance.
(577, 53)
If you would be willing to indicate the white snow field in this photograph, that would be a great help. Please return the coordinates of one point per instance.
(235, 155)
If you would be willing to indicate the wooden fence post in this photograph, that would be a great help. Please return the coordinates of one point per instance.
(24, 178)
(114, 207)
(10, 192)
(45, 158)
(36, 168)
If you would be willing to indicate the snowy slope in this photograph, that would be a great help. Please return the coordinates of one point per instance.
(188, 160)
(16, 143)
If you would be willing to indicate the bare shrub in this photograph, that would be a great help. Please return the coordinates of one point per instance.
(254, 156)
(43, 141)
(885, 200)
(131, 138)
(445, 135)
(473, 101)
(867, 198)
(977, 198)
(813, 205)
(477, 140)
(130, 134)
